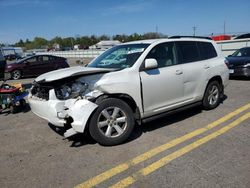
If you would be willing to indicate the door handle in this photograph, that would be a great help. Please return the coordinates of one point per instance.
(178, 72)
(206, 66)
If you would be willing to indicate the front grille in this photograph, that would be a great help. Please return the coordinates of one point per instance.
(40, 91)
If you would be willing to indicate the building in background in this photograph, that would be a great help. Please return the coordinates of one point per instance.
(105, 44)
(221, 37)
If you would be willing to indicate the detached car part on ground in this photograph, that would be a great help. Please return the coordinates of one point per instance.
(12, 97)
(158, 76)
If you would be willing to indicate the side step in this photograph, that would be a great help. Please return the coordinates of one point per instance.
(69, 133)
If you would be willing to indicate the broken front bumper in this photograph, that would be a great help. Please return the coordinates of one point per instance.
(57, 111)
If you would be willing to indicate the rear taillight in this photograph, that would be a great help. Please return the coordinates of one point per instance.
(226, 62)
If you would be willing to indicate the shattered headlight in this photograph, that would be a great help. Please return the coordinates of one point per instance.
(71, 90)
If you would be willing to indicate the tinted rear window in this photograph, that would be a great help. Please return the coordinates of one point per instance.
(207, 50)
(188, 51)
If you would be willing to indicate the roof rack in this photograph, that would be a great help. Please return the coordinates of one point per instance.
(199, 37)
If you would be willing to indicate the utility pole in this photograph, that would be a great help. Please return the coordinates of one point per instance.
(194, 30)
(224, 28)
(156, 29)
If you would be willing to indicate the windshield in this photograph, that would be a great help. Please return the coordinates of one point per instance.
(23, 59)
(122, 56)
(244, 52)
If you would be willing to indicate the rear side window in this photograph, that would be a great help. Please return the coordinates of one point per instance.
(45, 58)
(207, 50)
(188, 51)
(52, 58)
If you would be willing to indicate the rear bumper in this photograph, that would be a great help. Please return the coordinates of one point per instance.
(7, 75)
(244, 71)
(58, 112)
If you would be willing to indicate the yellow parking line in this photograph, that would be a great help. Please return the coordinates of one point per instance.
(149, 154)
(165, 160)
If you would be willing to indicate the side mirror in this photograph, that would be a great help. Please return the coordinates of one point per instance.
(229, 56)
(150, 64)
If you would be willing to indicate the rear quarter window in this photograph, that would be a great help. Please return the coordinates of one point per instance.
(207, 50)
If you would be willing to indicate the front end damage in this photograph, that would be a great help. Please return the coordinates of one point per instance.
(64, 97)
(72, 114)
(79, 111)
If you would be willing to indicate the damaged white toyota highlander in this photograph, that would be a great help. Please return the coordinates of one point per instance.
(132, 82)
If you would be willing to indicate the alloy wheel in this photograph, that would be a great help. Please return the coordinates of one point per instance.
(16, 74)
(112, 122)
(213, 95)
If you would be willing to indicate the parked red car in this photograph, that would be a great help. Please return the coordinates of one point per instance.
(35, 65)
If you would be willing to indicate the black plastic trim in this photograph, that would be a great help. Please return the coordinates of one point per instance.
(157, 116)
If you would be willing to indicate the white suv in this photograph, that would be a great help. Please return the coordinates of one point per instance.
(155, 77)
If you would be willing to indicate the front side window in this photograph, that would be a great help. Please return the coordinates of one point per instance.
(188, 51)
(122, 56)
(164, 54)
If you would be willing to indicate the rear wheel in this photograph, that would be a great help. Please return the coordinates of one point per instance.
(112, 122)
(16, 74)
(212, 95)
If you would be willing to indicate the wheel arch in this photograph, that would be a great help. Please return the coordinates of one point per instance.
(127, 99)
(221, 93)
(219, 79)
(215, 78)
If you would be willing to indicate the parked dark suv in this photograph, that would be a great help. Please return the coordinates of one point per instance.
(35, 66)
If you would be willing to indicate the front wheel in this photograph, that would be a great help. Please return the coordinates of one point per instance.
(112, 122)
(212, 95)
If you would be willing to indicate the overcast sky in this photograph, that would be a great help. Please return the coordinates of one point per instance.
(22, 19)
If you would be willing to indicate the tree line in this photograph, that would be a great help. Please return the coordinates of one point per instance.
(39, 42)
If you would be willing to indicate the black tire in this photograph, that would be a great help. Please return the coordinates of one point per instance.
(22, 103)
(212, 95)
(16, 74)
(112, 122)
(13, 109)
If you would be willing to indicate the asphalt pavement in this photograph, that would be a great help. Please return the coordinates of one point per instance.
(193, 148)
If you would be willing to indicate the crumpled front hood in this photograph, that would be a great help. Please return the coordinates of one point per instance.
(68, 72)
